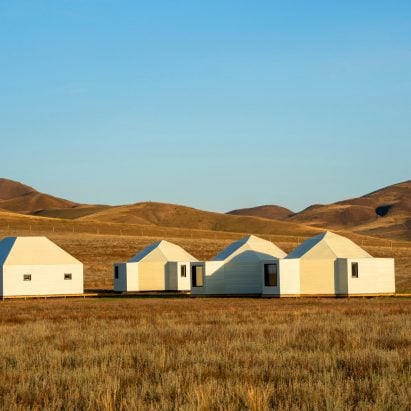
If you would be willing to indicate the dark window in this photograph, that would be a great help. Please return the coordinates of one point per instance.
(270, 275)
(197, 275)
(26, 277)
(68, 276)
(354, 270)
(116, 272)
(183, 271)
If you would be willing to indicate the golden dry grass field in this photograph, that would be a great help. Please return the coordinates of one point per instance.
(199, 353)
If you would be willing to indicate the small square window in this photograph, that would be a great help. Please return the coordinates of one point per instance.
(68, 276)
(116, 272)
(183, 271)
(26, 277)
(197, 275)
(354, 270)
(270, 275)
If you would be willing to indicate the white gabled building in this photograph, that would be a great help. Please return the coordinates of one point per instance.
(37, 266)
(162, 266)
(246, 267)
(331, 264)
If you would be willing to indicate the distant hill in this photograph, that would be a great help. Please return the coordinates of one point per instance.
(17, 197)
(171, 215)
(272, 212)
(385, 213)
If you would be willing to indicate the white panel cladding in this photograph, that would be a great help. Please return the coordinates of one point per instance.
(183, 282)
(171, 278)
(290, 277)
(44, 279)
(132, 276)
(120, 283)
(288, 281)
(341, 276)
(213, 278)
(242, 277)
(375, 276)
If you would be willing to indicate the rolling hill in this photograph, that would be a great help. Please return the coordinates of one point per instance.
(11, 189)
(171, 215)
(17, 197)
(385, 212)
(272, 212)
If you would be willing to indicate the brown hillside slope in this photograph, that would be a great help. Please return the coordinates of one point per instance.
(170, 215)
(32, 202)
(386, 212)
(11, 189)
(273, 212)
(20, 198)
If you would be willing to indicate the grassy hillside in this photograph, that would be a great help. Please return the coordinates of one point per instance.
(171, 215)
(272, 212)
(384, 213)
(18, 197)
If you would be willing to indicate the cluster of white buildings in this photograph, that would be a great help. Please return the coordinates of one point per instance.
(325, 265)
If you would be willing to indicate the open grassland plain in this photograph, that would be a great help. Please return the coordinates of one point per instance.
(193, 353)
(103, 245)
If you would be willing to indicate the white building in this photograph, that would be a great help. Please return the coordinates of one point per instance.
(331, 264)
(246, 267)
(36, 266)
(162, 266)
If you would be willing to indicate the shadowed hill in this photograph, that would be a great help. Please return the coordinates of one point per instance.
(272, 212)
(71, 213)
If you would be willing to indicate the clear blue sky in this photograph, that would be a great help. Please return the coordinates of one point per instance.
(215, 104)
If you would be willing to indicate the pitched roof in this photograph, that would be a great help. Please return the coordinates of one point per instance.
(163, 251)
(328, 245)
(252, 245)
(33, 251)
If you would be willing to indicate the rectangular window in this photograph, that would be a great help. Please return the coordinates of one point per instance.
(197, 275)
(26, 277)
(67, 276)
(183, 271)
(116, 272)
(354, 270)
(270, 275)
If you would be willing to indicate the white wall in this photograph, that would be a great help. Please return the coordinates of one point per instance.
(127, 277)
(184, 283)
(341, 276)
(213, 278)
(288, 278)
(242, 277)
(172, 273)
(45, 280)
(375, 276)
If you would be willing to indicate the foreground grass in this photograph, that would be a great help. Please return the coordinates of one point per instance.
(205, 354)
